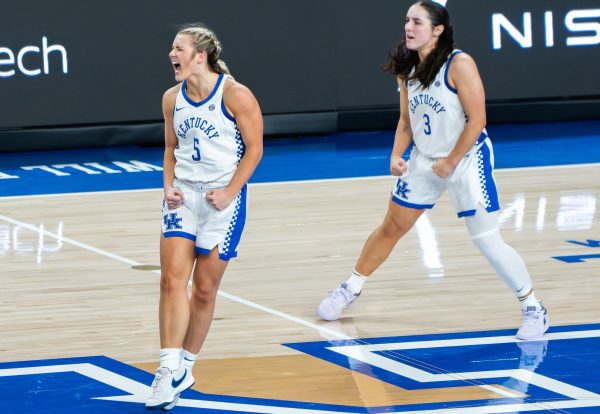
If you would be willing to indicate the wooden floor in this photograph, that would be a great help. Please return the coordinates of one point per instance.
(72, 284)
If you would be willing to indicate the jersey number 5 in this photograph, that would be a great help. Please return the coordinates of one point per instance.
(427, 129)
(196, 155)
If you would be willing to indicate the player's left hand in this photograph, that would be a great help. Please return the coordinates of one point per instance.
(442, 167)
(219, 198)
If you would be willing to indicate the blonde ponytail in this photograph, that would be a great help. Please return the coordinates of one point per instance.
(205, 40)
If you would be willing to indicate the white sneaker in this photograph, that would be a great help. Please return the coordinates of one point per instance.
(535, 323)
(332, 306)
(167, 386)
(172, 405)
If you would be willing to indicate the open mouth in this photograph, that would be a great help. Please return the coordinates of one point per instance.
(175, 63)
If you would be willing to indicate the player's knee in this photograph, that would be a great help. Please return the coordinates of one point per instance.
(204, 291)
(490, 243)
(170, 282)
(393, 228)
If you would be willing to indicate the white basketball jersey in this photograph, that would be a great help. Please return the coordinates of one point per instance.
(210, 145)
(437, 117)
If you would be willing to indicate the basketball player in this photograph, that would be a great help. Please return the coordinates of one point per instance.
(442, 110)
(213, 143)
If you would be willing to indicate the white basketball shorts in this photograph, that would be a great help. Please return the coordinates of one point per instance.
(471, 183)
(200, 222)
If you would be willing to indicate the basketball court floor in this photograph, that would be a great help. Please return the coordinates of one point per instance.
(433, 331)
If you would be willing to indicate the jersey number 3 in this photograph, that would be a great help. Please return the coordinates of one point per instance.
(427, 129)
(196, 155)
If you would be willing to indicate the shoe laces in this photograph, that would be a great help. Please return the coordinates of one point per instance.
(343, 292)
(531, 315)
(160, 379)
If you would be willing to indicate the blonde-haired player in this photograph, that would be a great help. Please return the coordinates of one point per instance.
(213, 143)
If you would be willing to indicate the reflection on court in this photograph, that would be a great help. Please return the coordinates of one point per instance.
(69, 291)
(21, 241)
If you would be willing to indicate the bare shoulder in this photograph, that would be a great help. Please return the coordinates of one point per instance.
(238, 97)
(463, 62)
(168, 100)
(234, 89)
(171, 93)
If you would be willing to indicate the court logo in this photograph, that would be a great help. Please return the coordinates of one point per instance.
(581, 258)
(498, 373)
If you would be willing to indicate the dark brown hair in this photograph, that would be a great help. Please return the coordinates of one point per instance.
(402, 60)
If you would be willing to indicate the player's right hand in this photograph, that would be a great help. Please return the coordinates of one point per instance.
(398, 167)
(174, 197)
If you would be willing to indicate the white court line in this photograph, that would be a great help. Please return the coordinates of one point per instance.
(324, 330)
(322, 180)
(116, 257)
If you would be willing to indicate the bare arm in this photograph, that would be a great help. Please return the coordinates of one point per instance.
(173, 196)
(403, 136)
(466, 80)
(246, 111)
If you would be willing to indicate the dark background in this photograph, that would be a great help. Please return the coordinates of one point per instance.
(314, 65)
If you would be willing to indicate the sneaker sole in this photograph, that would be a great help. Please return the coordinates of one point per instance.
(172, 405)
(158, 407)
(537, 337)
(169, 405)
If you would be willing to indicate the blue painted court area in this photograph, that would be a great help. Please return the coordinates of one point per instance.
(552, 375)
(344, 155)
(555, 374)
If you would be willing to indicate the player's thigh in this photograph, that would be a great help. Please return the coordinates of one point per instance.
(177, 257)
(399, 218)
(209, 270)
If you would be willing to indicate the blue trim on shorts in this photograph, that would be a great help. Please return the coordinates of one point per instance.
(488, 184)
(206, 252)
(411, 205)
(180, 234)
(203, 252)
(236, 227)
(470, 213)
(482, 137)
(226, 258)
(466, 213)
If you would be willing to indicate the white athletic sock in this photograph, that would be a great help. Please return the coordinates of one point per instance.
(170, 358)
(188, 359)
(356, 282)
(530, 301)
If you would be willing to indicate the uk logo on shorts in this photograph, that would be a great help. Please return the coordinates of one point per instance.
(402, 189)
(171, 221)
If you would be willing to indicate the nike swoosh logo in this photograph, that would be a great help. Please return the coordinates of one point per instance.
(179, 109)
(177, 383)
